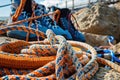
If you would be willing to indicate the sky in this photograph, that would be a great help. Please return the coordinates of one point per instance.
(5, 11)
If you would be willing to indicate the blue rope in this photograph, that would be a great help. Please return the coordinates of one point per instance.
(108, 51)
(110, 39)
(113, 57)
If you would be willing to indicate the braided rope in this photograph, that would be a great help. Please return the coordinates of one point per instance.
(60, 62)
(29, 19)
(33, 14)
(22, 28)
(67, 64)
(41, 50)
(9, 71)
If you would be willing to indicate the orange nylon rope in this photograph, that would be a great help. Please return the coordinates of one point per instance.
(33, 14)
(56, 16)
(29, 19)
(19, 10)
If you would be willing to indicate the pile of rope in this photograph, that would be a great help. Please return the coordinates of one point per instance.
(51, 59)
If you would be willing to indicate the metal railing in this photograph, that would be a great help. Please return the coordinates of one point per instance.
(73, 4)
(5, 5)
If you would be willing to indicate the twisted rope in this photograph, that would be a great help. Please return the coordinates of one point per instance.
(51, 59)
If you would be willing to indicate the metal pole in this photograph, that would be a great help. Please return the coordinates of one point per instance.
(89, 3)
(72, 4)
(57, 4)
(66, 3)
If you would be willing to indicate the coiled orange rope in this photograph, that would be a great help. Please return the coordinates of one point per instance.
(62, 62)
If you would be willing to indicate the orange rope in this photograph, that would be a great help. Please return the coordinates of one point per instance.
(19, 10)
(29, 19)
(33, 14)
(56, 16)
